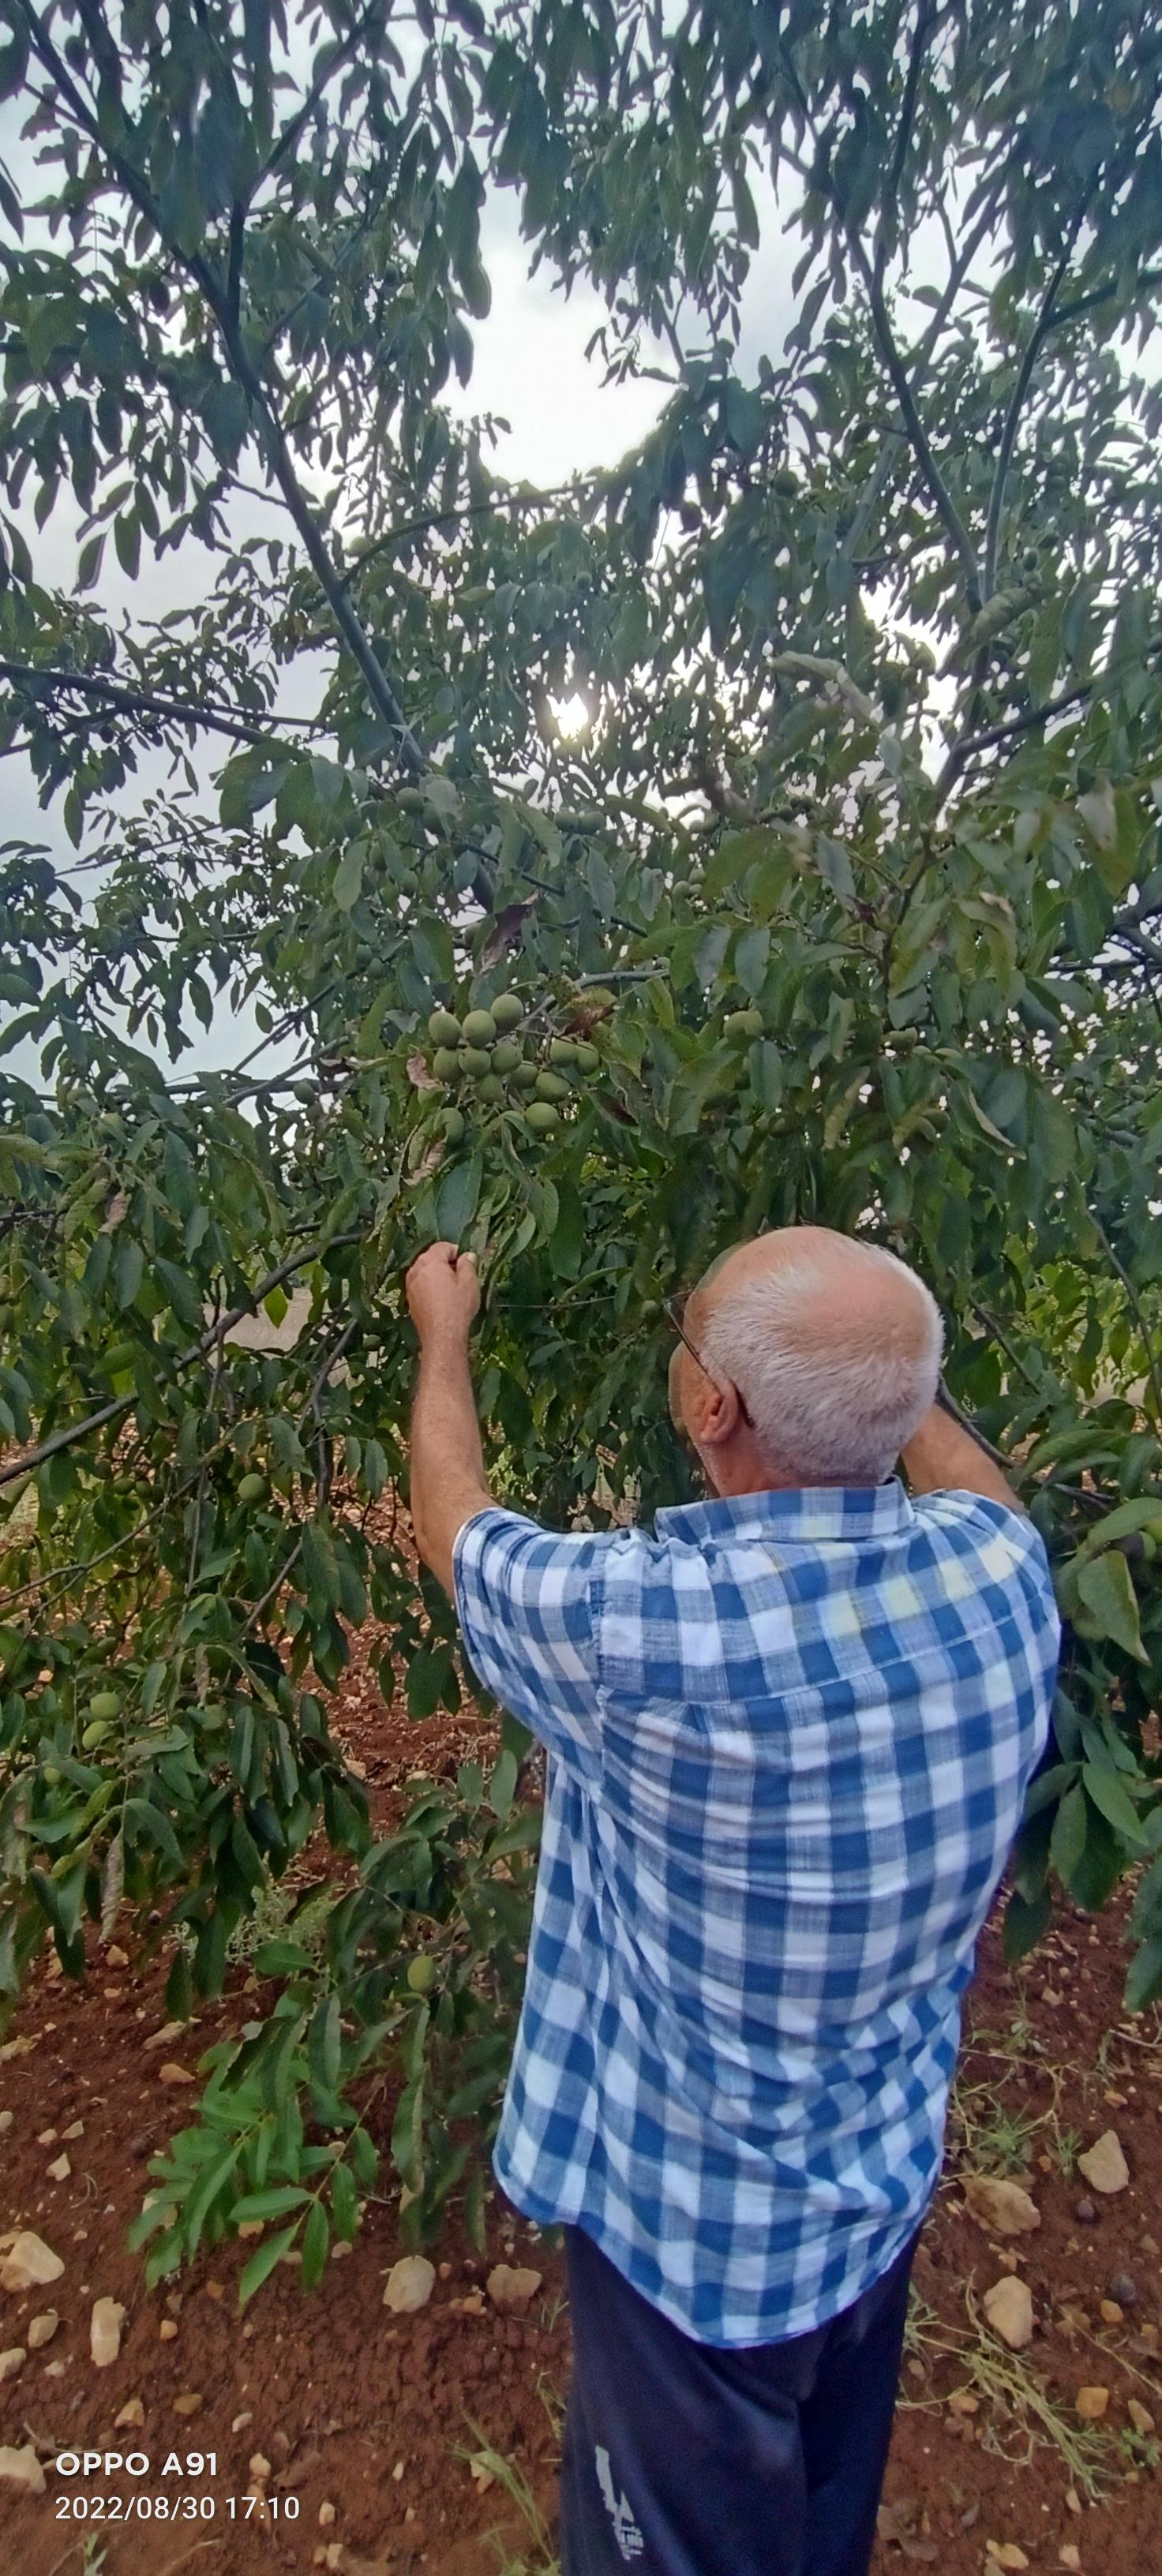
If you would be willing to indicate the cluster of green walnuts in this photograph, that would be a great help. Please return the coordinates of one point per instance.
(484, 1058)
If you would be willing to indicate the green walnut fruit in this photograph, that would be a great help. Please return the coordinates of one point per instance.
(506, 1056)
(587, 1058)
(421, 1976)
(491, 1089)
(785, 483)
(1153, 1529)
(1030, 560)
(551, 1086)
(743, 1024)
(508, 1010)
(541, 1118)
(305, 1092)
(454, 1126)
(562, 1051)
(445, 1064)
(105, 1705)
(524, 1075)
(474, 1061)
(444, 1029)
(95, 1734)
(252, 1489)
(51, 1776)
(479, 1029)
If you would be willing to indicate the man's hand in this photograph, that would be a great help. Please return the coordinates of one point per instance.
(443, 1294)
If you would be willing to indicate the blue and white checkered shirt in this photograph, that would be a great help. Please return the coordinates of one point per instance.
(789, 1737)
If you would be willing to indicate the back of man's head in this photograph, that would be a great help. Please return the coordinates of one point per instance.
(834, 1344)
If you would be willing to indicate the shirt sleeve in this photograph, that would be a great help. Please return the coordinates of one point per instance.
(1030, 1565)
(526, 1599)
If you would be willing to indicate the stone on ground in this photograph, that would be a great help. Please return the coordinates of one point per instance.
(1003, 2208)
(41, 2329)
(1104, 2164)
(12, 2362)
(510, 2287)
(1092, 2403)
(30, 2264)
(105, 2332)
(410, 2283)
(1009, 2309)
(22, 2468)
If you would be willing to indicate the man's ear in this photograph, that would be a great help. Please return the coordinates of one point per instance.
(722, 1415)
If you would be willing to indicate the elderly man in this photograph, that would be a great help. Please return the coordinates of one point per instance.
(790, 1733)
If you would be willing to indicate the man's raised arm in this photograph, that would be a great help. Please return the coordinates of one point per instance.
(448, 1484)
(942, 1457)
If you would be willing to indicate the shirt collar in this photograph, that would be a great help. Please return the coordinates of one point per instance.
(805, 1512)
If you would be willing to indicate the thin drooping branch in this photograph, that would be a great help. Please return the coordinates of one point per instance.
(886, 227)
(1041, 327)
(339, 54)
(200, 716)
(71, 1432)
(890, 352)
(970, 743)
(270, 430)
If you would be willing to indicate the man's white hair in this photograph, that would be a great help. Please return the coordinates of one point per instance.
(835, 1383)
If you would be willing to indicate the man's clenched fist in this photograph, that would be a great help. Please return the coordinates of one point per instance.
(443, 1293)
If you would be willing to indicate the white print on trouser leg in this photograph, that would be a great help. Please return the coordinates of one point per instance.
(626, 2533)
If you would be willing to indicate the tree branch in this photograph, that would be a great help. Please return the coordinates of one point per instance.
(119, 1404)
(965, 750)
(92, 684)
(271, 432)
(318, 89)
(1012, 418)
(925, 22)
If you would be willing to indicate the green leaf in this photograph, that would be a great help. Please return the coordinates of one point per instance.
(1025, 1924)
(502, 1785)
(181, 1294)
(1105, 1587)
(349, 875)
(1144, 1976)
(271, 2203)
(262, 2262)
(1107, 1793)
(316, 2244)
(344, 2204)
(457, 1199)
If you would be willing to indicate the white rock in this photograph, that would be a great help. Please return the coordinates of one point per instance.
(31, 2265)
(105, 2332)
(161, 2038)
(41, 2329)
(172, 2073)
(22, 2469)
(12, 2362)
(5, 2121)
(115, 1956)
(1009, 2309)
(1104, 2165)
(410, 2283)
(133, 2412)
(1002, 2208)
(60, 2170)
(77, 2130)
(509, 2288)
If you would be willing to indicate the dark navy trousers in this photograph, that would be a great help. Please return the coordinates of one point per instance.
(685, 2459)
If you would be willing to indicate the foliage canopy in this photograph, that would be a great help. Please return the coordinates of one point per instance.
(841, 904)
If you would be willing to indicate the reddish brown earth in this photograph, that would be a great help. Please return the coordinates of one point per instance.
(365, 2413)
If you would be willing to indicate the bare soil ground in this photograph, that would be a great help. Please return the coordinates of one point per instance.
(363, 2416)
